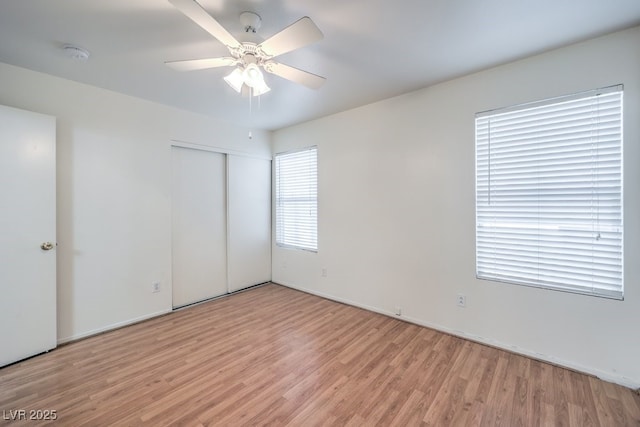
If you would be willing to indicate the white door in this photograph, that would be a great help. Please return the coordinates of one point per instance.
(27, 221)
(249, 221)
(198, 222)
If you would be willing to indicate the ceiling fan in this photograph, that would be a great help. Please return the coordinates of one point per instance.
(249, 58)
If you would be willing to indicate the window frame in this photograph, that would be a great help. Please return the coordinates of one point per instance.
(306, 243)
(616, 292)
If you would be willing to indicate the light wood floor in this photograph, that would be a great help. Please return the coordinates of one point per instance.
(275, 356)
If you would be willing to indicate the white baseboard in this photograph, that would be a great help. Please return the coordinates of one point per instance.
(111, 327)
(605, 376)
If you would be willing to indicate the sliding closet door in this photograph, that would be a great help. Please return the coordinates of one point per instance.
(249, 221)
(199, 229)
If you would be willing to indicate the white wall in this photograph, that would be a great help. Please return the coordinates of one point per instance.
(114, 184)
(397, 215)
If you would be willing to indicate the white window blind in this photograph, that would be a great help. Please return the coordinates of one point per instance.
(297, 199)
(549, 194)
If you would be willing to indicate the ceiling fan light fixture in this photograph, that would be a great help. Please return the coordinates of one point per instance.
(252, 75)
(235, 79)
(255, 80)
(260, 89)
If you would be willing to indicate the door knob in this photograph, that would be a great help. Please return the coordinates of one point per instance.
(47, 246)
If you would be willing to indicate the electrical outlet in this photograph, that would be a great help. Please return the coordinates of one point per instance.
(461, 300)
(324, 272)
(398, 311)
(155, 287)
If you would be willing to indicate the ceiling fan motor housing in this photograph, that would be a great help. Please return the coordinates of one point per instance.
(250, 21)
(249, 53)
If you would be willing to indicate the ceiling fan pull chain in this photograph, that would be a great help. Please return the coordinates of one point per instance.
(250, 112)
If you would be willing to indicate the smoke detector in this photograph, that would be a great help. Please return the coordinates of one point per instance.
(76, 52)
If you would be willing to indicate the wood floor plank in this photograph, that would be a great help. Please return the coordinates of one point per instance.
(522, 406)
(411, 411)
(275, 356)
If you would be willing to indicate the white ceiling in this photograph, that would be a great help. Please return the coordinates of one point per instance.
(372, 49)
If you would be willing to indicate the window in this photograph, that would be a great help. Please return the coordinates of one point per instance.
(297, 199)
(549, 194)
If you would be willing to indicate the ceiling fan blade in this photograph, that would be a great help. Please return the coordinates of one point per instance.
(201, 64)
(296, 75)
(197, 14)
(299, 34)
